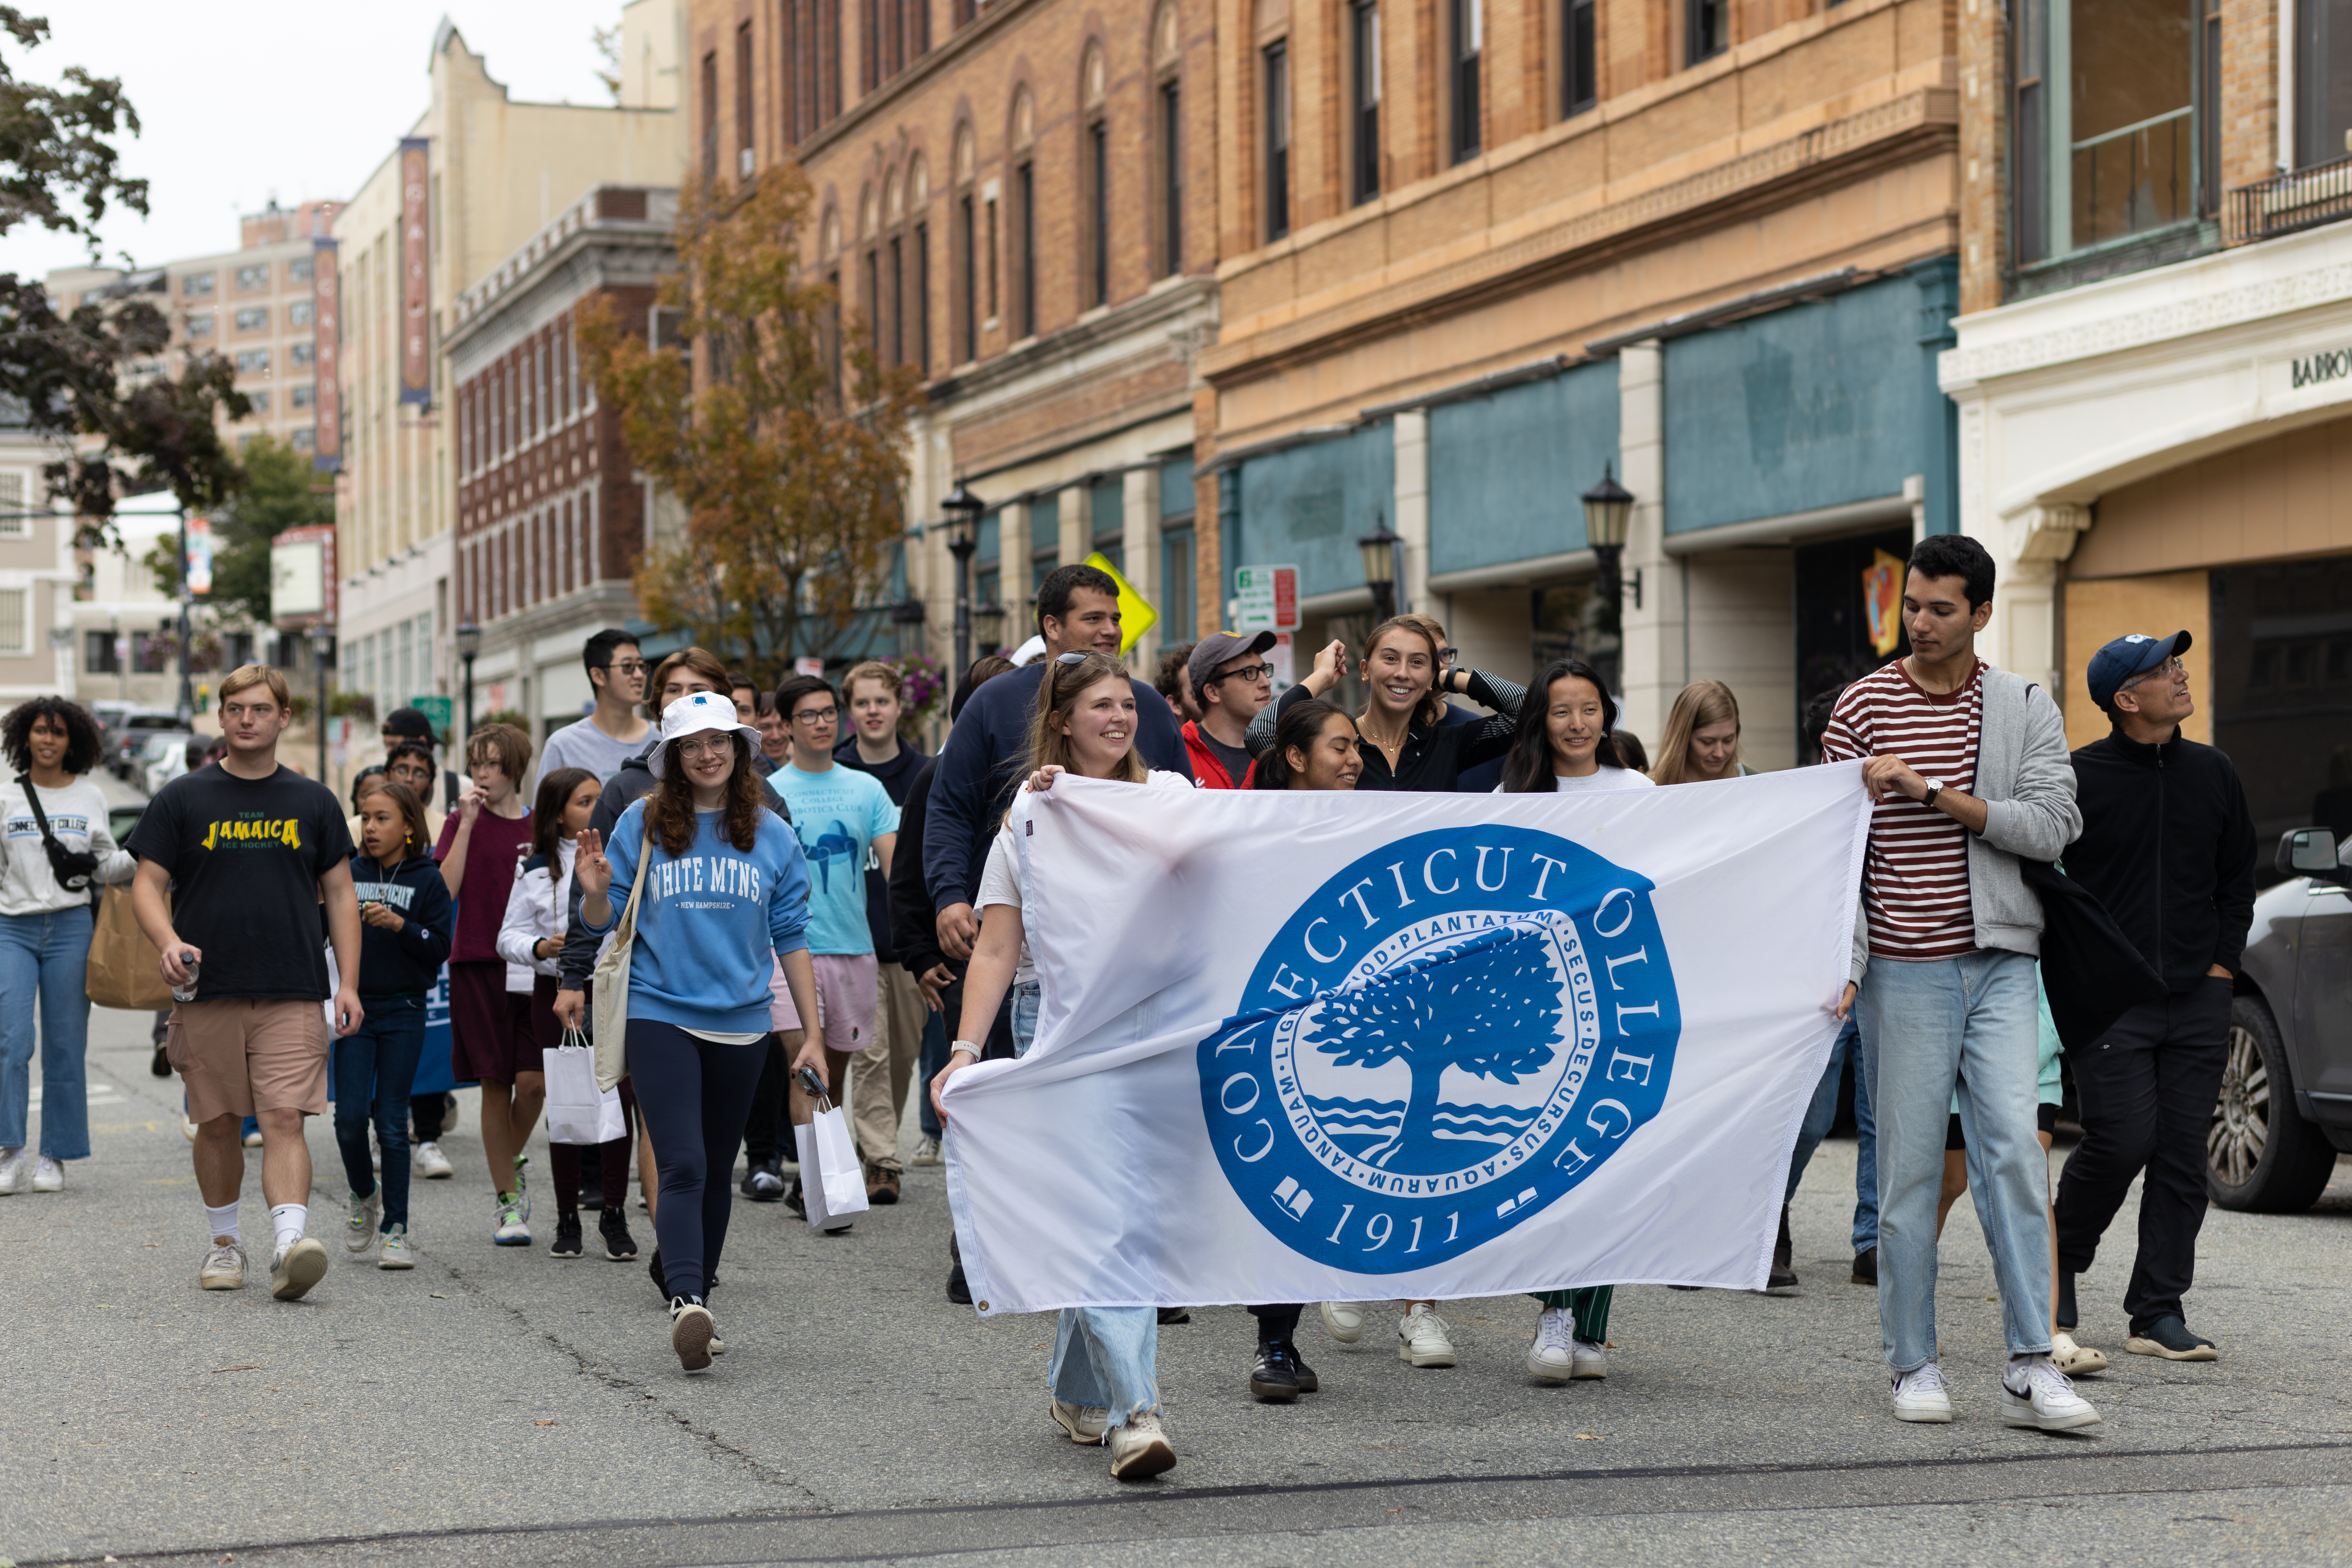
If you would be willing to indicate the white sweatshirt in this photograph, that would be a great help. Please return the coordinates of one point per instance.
(539, 906)
(77, 817)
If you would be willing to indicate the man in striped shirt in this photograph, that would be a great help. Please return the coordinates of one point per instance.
(1967, 769)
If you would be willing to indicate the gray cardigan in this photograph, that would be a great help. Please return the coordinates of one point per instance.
(2026, 779)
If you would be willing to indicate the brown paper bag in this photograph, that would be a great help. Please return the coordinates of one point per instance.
(125, 970)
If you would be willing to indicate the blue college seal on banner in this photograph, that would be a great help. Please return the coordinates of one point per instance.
(1442, 1040)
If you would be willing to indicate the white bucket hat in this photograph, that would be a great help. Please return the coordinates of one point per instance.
(694, 715)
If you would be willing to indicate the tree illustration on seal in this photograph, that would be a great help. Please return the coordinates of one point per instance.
(1490, 1007)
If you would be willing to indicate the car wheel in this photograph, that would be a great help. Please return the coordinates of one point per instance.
(2260, 1155)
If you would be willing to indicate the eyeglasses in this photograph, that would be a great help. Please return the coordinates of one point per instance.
(2169, 667)
(1247, 672)
(816, 715)
(1071, 657)
(717, 746)
(629, 666)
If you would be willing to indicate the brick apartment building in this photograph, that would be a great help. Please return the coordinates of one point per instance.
(1019, 201)
(550, 522)
(2154, 392)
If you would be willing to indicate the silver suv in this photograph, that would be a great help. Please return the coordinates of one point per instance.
(2286, 1093)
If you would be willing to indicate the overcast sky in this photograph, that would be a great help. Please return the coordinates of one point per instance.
(267, 98)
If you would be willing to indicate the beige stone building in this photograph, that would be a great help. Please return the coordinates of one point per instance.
(497, 172)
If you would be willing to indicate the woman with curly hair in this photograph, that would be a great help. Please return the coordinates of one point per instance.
(55, 846)
(724, 885)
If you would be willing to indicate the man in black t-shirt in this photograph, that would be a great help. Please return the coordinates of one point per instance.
(256, 859)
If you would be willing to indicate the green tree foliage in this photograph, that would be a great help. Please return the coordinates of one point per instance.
(1490, 1007)
(85, 377)
(280, 492)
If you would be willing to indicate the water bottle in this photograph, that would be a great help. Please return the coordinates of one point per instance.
(187, 992)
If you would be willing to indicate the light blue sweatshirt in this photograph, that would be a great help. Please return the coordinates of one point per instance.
(709, 920)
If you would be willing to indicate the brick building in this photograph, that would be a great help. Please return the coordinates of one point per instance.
(1019, 200)
(550, 522)
(2151, 372)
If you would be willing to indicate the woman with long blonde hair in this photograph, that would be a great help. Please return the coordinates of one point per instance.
(1702, 737)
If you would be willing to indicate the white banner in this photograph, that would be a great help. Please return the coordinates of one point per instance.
(1336, 1046)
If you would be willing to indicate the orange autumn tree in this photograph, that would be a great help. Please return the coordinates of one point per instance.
(769, 422)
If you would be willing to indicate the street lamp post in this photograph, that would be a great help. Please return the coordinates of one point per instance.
(469, 643)
(1380, 551)
(187, 603)
(963, 509)
(1607, 506)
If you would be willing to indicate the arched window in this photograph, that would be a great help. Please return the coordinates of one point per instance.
(1023, 216)
(1274, 116)
(867, 213)
(1094, 177)
(1167, 142)
(965, 238)
(918, 295)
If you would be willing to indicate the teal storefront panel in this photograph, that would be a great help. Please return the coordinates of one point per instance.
(1308, 506)
(1819, 405)
(1505, 470)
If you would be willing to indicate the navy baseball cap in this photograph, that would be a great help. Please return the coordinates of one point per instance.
(2126, 658)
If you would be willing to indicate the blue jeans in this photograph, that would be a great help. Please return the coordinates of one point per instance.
(1820, 1114)
(49, 953)
(1104, 1356)
(935, 1056)
(374, 1068)
(1926, 1027)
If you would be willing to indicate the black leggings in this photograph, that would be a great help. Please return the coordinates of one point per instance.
(694, 1097)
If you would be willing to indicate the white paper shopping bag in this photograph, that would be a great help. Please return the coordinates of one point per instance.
(833, 1179)
(577, 1111)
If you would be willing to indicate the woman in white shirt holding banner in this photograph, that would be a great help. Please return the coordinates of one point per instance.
(1105, 1369)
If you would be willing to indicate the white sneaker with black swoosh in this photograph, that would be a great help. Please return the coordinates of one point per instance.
(1922, 1395)
(2039, 1395)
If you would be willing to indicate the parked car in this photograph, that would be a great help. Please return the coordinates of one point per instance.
(121, 819)
(2285, 1109)
(162, 757)
(125, 739)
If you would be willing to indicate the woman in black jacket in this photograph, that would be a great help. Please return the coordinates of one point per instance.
(405, 924)
(1406, 742)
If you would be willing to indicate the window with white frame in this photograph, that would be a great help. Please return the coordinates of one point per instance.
(254, 277)
(253, 361)
(16, 622)
(16, 505)
(254, 319)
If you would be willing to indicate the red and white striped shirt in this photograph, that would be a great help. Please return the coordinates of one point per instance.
(1915, 884)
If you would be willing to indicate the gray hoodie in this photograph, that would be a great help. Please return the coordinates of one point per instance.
(2026, 779)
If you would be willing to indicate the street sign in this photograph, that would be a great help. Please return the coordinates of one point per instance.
(200, 557)
(1265, 598)
(436, 711)
(1136, 615)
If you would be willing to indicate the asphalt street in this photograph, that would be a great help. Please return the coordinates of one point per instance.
(498, 1405)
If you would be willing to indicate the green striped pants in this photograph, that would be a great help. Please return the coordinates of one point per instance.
(1589, 1305)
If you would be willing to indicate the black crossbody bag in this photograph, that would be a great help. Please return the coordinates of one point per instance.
(75, 870)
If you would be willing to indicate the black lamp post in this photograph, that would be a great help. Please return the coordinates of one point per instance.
(1380, 551)
(1607, 506)
(469, 643)
(963, 509)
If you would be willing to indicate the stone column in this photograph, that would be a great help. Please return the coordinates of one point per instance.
(1139, 506)
(1409, 437)
(1650, 667)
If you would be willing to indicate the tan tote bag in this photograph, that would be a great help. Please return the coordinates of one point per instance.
(609, 1012)
(125, 969)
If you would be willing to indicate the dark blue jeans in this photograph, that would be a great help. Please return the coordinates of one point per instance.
(694, 1096)
(373, 1069)
(1818, 1118)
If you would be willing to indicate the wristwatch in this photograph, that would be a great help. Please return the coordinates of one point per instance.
(965, 1045)
(1935, 788)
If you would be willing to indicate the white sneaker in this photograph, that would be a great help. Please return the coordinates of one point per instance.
(2075, 1360)
(1591, 1359)
(358, 1222)
(298, 1268)
(253, 1139)
(15, 1166)
(926, 1153)
(1552, 1356)
(427, 1161)
(1139, 1449)
(1084, 1423)
(1344, 1321)
(510, 1229)
(223, 1267)
(187, 1128)
(49, 1176)
(1922, 1395)
(2047, 1400)
(521, 1188)
(690, 1332)
(395, 1253)
(1422, 1338)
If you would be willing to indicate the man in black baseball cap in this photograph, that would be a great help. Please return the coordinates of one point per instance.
(1229, 681)
(2167, 844)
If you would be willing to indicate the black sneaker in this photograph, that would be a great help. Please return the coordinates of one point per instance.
(1865, 1267)
(1274, 1376)
(567, 1236)
(158, 1064)
(794, 1202)
(661, 1281)
(763, 1183)
(958, 1291)
(2170, 1337)
(619, 1245)
(2066, 1315)
(1175, 1315)
(1308, 1381)
(1782, 1281)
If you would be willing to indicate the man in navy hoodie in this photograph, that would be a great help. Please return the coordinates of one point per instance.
(979, 768)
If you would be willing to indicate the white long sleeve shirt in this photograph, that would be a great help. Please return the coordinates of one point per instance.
(539, 906)
(77, 817)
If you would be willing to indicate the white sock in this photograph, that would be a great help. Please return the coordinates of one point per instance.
(287, 1220)
(221, 1222)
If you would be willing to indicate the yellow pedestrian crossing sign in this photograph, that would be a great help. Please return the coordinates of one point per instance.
(1136, 615)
